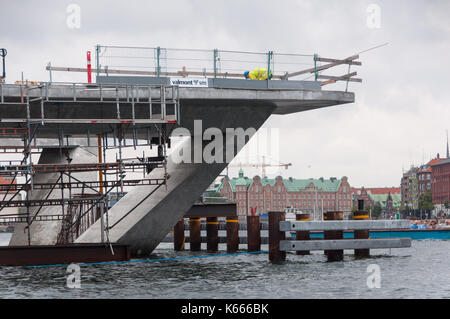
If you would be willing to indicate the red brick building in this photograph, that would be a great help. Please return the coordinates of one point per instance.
(389, 198)
(440, 187)
(308, 195)
(424, 175)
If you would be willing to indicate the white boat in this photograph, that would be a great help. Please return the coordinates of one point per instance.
(291, 213)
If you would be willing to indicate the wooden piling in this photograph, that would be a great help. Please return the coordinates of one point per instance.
(302, 235)
(178, 236)
(212, 234)
(334, 255)
(195, 238)
(232, 234)
(253, 233)
(361, 234)
(275, 236)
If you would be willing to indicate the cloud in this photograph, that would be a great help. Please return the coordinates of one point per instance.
(401, 109)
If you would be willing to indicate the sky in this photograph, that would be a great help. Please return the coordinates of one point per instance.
(400, 115)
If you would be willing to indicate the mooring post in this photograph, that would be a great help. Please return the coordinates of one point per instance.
(334, 255)
(275, 236)
(253, 233)
(361, 214)
(212, 234)
(178, 236)
(302, 235)
(232, 234)
(195, 238)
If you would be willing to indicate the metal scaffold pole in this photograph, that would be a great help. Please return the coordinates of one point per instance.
(29, 161)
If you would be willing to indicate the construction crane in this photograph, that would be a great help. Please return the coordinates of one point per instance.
(262, 165)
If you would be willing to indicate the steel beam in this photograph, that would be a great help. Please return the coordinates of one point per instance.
(293, 245)
(344, 225)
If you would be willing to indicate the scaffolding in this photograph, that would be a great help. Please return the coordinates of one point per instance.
(115, 113)
(83, 202)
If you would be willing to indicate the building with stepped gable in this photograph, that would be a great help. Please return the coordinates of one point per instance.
(389, 198)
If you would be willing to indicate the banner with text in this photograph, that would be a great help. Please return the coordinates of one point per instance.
(189, 82)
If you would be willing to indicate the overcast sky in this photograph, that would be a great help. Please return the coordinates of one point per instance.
(401, 111)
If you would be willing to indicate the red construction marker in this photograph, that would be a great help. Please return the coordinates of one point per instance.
(89, 73)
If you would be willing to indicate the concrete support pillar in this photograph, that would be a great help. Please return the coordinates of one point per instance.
(46, 232)
(145, 215)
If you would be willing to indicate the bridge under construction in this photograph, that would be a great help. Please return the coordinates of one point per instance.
(75, 194)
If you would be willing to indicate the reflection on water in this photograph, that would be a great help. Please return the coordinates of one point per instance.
(417, 272)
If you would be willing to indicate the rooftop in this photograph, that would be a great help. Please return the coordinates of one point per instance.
(442, 162)
(291, 184)
(379, 190)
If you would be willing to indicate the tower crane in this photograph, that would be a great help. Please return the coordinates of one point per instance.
(261, 165)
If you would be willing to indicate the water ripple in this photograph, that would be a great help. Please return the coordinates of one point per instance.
(417, 272)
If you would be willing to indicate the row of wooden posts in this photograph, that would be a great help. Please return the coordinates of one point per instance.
(212, 234)
(275, 235)
(254, 234)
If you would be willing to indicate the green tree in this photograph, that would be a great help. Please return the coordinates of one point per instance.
(376, 210)
(426, 202)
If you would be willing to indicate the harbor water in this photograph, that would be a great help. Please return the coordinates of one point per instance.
(421, 271)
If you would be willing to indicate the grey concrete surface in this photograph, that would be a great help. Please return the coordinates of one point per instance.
(345, 225)
(216, 83)
(378, 243)
(286, 101)
(45, 233)
(146, 226)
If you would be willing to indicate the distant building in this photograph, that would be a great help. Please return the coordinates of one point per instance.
(418, 181)
(424, 175)
(307, 195)
(389, 198)
(410, 189)
(440, 176)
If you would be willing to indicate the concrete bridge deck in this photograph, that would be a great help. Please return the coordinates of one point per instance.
(76, 109)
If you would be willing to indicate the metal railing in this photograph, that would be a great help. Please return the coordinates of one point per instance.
(214, 63)
(166, 62)
(148, 103)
